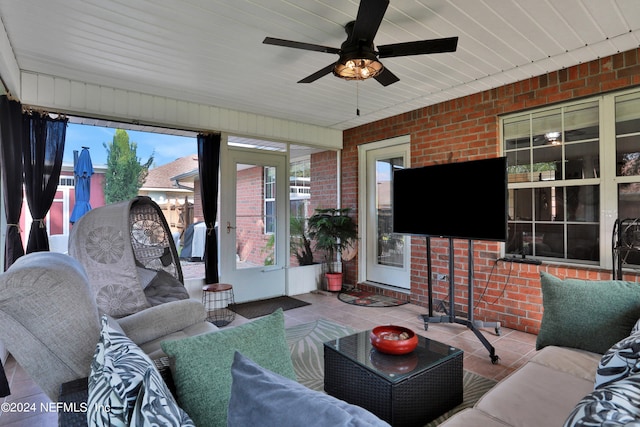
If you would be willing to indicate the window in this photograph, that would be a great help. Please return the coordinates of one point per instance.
(269, 200)
(628, 155)
(554, 182)
(67, 181)
(300, 187)
(562, 162)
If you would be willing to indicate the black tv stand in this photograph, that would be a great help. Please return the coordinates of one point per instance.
(450, 314)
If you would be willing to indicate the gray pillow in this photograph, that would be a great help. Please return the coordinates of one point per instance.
(145, 276)
(590, 315)
(164, 288)
(260, 397)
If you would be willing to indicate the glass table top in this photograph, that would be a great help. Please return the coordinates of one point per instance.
(394, 368)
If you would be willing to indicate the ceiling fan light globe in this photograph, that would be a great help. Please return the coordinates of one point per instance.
(358, 69)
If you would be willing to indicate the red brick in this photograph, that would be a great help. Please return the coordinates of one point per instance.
(467, 128)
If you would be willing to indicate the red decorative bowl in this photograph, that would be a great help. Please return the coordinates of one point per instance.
(388, 339)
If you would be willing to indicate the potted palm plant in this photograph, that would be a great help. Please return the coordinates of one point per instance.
(333, 231)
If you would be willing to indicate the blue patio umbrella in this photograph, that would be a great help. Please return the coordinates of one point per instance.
(83, 170)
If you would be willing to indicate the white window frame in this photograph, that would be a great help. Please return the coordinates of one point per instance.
(608, 181)
(268, 200)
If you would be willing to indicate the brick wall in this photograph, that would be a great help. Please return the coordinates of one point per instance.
(467, 129)
(250, 237)
(324, 188)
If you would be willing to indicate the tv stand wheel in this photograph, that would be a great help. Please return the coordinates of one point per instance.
(494, 359)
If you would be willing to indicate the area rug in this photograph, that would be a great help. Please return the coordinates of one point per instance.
(306, 343)
(253, 309)
(473, 388)
(307, 352)
(357, 296)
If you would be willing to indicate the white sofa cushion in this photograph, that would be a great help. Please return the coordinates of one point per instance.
(541, 393)
(472, 417)
(580, 363)
(535, 395)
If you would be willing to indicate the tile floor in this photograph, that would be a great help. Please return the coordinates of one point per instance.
(513, 347)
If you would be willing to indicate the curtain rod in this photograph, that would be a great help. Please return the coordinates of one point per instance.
(10, 96)
(28, 109)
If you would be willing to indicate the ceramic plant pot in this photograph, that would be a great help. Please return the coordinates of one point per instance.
(334, 282)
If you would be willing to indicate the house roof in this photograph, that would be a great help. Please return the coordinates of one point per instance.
(211, 52)
(161, 177)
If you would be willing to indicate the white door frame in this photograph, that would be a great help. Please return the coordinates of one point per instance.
(262, 281)
(362, 211)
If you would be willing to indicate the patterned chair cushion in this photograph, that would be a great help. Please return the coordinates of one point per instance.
(620, 361)
(615, 404)
(125, 380)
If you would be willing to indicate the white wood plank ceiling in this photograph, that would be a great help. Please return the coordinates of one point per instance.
(211, 51)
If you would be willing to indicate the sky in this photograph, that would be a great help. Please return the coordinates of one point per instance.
(164, 148)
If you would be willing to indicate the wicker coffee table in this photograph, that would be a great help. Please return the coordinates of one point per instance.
(406, 390)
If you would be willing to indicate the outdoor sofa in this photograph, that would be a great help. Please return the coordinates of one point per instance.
(587, 369)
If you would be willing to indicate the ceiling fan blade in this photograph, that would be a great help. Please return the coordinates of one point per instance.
(320, 73)
(368, 20)
(386, 77)
(421, 47)
(300, 45)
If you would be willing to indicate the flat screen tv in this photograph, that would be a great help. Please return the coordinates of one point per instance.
(466, 200)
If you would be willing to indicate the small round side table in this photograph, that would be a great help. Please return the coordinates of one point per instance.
(216, 299)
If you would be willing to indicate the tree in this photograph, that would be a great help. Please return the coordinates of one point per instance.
(125, 174)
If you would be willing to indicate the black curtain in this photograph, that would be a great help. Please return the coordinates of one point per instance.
(11, 151)
(11, 165)
(42, 153)
(209, 166)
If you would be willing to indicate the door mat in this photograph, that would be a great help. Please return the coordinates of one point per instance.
(356, 296)
(253, 309)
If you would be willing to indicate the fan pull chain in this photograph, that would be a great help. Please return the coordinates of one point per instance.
(357, 98)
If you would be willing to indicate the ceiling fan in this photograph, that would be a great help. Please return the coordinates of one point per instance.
(358, 58)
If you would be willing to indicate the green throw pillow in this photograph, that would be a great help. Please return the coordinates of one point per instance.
(585, 314)
(202, 364)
